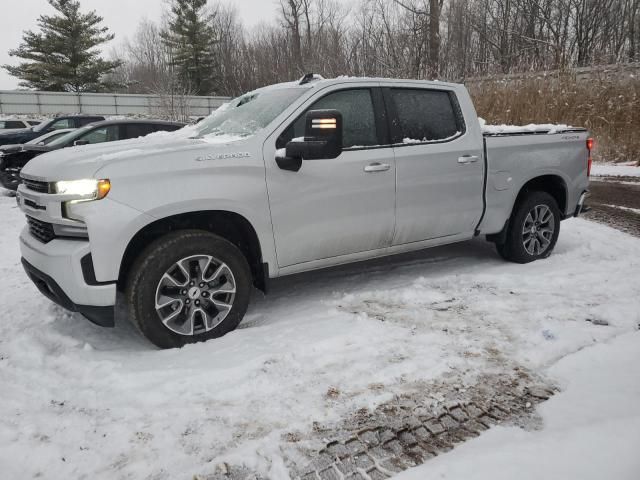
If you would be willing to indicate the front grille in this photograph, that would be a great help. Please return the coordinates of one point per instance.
(36, 185)
(43, 231)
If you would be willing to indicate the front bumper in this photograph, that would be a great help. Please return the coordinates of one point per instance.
(56, 268)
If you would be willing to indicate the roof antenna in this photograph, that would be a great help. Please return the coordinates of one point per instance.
(309, 77)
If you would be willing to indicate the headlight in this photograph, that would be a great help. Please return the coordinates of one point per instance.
(91, 189)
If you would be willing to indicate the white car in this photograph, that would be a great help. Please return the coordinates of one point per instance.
(16, 124)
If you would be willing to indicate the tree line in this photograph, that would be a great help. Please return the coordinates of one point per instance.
(444, 39)
(203, 47)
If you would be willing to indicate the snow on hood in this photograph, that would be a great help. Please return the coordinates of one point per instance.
(84, 161)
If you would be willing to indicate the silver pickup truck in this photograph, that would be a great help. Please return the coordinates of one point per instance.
(288, 178)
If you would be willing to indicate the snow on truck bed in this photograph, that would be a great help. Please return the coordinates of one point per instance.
(549, 128)
(79, 401)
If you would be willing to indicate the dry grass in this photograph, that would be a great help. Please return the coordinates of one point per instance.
(608, 107)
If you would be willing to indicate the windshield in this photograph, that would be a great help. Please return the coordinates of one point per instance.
(68, 138)
(47, 138)
(247, 114)
(43, 126)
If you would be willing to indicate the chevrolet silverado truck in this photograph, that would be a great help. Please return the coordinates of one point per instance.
(285, 179)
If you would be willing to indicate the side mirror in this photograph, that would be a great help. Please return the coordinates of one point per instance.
(78, 143)
(322, 140)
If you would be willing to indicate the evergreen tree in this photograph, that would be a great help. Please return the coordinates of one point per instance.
(62, 56)
(189, 37)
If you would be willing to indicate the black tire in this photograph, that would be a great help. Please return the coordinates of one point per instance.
(514, 249)
(10, 182)
(155, 260)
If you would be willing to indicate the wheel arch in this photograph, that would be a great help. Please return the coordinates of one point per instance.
(551, 183)
(227, 224)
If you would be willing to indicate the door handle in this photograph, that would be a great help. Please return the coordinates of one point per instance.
(468, 159)
(377, 167)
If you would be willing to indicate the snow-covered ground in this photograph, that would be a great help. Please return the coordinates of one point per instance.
(591, 429)
(615, 170)
(78, 401)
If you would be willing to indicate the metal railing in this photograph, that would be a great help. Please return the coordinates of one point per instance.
(26, 102)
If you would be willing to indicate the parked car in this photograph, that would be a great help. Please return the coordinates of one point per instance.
(14, 157)
(287, 179)
(23, 136)
(16, 124)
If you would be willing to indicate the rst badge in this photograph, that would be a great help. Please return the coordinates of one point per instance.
(222, 156)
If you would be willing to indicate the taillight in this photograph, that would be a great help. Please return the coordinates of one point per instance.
(589, 160)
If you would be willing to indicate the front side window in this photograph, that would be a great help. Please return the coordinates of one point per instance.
(63, 123)
(425, 115)
(101, 135)
(358, 118)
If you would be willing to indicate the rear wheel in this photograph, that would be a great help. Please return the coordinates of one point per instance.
(533, 229)
(188, 286)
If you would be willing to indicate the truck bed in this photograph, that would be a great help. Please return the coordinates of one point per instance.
(514, 156)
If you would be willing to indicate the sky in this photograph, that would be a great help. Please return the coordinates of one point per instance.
(121, 16)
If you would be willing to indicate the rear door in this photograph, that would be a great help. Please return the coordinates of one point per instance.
(440, 172)
(340, 206)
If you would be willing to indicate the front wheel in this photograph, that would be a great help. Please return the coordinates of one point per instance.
(188, 286)
(533, 229)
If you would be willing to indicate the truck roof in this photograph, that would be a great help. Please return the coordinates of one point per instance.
(315, 81)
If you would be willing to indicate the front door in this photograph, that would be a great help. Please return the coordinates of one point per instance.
(340, 206)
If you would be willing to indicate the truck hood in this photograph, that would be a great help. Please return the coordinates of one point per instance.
(85, 161)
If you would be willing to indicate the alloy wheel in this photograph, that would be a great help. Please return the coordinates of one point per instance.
(195, 295)
(538, 230)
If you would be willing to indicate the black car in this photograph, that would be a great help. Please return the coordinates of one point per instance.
(14, 157)
(26, 134)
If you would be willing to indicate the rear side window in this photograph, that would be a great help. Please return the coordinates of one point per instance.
(135, 130)
(165, 128)
(7, 124)
(426, 115)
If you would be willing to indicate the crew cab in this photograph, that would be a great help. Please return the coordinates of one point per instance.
(14, 157)
(285, 179)
(12, 137)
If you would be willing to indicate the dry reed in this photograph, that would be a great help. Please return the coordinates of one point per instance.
(608, 107)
